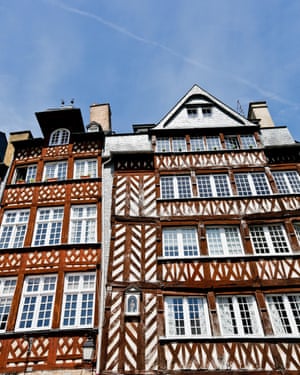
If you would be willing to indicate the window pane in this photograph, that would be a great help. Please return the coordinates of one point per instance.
(179, 144)
(269, 239)
(7, 289)
(248, 141)
(231, 142)
(287, 182)
(48, 226)
(79, 300)
(170, 242)
(260, 184)
(242, 184)
(59, 137)
(13, 229)
(213, 143)
(83, 224)
(221, 185)
(162, 144)
(167, 187)
(184, 187)
(204, 186)
(197, 144)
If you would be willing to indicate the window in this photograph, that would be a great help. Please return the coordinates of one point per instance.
(180, 242)
(163, 144)
(207, 111)
(213, 186)
(87, 167)
(56, 170)
(287, 182)
(83, 224)
(284, 311)
(7, 289)
(192, 112)
(48, 226)
(186, 316)
(252, 184)
(248, 141)
(59, 137)
(79, 300)
(238, 315)
(179, 144)
(269, 239)
(231, 142)
(175, 187)
(25, 174)
(36, 307)
(197, 144)
(297, 231)
(13, 229)
(224, 241)
(213, 143)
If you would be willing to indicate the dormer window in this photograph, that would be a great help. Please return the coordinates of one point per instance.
(59, 137)
(206, 111)
(192, 112)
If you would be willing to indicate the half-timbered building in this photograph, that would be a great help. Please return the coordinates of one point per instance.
(50, 241)
(203, 241)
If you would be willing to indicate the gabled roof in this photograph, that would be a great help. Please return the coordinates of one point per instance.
(197, 96)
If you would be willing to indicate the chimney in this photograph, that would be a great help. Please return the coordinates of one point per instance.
(259, 112)
(100, 113)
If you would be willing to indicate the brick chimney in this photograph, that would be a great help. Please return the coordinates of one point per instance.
(259, 112)
(100, 113)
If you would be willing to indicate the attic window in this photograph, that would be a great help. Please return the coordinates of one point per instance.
(59, 137)
(206, 111)
(192, 112)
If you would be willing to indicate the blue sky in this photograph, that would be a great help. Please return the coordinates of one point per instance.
(142, 56)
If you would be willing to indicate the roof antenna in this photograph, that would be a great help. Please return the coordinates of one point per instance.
(62, 102)
(72, 101)
(239, 108)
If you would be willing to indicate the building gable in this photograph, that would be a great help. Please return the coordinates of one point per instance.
(199, 109)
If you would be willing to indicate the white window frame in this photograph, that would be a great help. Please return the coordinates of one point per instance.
(213, 143)
(163, 144)
(180, 242)
(213, 185)
(79, 294)
(252, 184)
(287, 182)
(83, 224)
(13, 228)
(297, 230)
(85, 167)
(179, 144)
(231, 142)
(222, 242)
(7, 290)
(248, 141)
(25, 173)
(56, 170)
(173, 185)
(37, 303)
(47, 224)
(267, 239)
(234, 320)
(59, 137)
(283, 314)
(182, 326)
(197, 143)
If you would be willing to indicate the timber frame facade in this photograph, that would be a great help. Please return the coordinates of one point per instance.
(175, 248)
(205, 234)
(49, 268)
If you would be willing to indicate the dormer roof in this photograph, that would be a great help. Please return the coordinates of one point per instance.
(199, 109)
